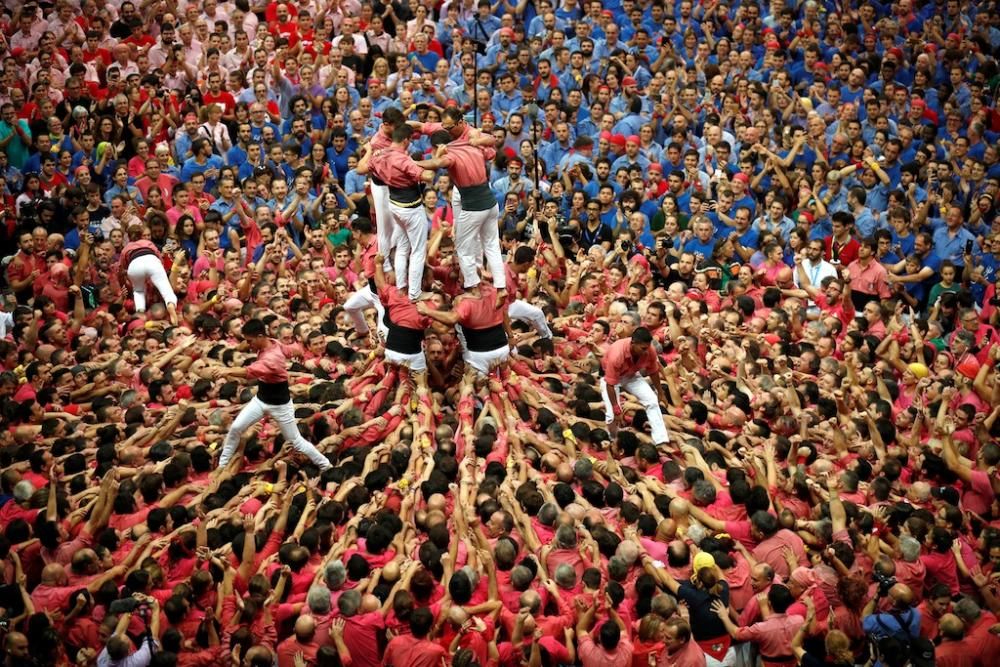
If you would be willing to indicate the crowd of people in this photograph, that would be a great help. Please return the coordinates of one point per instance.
(567, 332)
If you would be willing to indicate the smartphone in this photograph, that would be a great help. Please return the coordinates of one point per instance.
(968, 247)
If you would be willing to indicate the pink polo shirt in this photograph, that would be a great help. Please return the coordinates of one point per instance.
(592, 654)
(467, 163)
(396, 168)
(618, 362)
(773, 636)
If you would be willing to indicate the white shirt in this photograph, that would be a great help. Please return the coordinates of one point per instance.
(816, 272)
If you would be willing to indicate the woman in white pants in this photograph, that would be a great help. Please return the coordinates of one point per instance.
(273, 396)
(142, 263)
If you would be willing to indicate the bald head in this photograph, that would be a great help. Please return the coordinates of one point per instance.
(901, 595)
(529, 600)
(305, 628)
(436, 502)
(457, 616)
(951, 627)
(54, 574)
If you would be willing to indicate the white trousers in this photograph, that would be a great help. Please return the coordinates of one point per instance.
(728, 660)
(411, 248)
(252, 413)
(358, 303)
(533, 315)
(149, 268)
(484, 362)
(415, 362)
(478, 233)
(385, 226)
(639, 387)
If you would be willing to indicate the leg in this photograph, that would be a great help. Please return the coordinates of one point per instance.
(158, 276)
(533, 315)
(137, 276)
(356, 305)
(609, 413)
(402, 244)
(248, 416)
(416, 234)
(639, 387)
(489, 235)
(285, 416)
(468, 249)
(385, 226)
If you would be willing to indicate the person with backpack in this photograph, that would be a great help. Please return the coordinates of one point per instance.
(898, 627)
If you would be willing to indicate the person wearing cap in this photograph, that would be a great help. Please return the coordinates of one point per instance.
(513, 182)
(273, 395)
(403, 177)
(632, 156)
(142, 263)
(706, 589)
(622, 104)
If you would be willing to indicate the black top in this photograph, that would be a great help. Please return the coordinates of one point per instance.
(705, 623)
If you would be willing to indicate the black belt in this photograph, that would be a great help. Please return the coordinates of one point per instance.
(273, 393)
(407, 197)
(404, 339)
(141, 252)
(377, 181)
(485, 340)
(372, 286)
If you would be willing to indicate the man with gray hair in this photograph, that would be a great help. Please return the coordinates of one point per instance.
(978, 623)
(20, 506)
(910, 570)
(363, 626)
(335, 575)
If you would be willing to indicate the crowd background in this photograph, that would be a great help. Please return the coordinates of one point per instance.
(796, 200)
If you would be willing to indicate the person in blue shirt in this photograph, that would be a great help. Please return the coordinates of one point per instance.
(703, 241)
(203, 162)
(951, 238)
(237, 155)
(864, 221)
(507, 100)
(482, 26)
(338, 152)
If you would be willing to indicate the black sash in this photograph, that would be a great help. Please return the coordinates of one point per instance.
(485, 340)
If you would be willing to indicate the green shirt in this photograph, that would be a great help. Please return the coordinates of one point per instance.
(17, 150)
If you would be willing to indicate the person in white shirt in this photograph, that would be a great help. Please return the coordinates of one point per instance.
(815, 267)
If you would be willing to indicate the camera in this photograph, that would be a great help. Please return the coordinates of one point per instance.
(124, 606)
(566, 234)
(666, 243)
(884, 583)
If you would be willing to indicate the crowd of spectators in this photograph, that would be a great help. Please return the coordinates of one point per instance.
(788, 207)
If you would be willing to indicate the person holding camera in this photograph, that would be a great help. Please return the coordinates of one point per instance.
(118, 651)
(901, 622)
